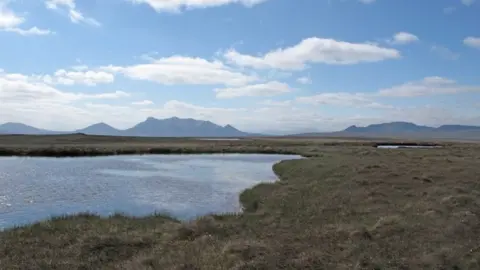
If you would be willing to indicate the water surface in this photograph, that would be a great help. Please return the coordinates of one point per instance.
(218, 139)
(406, 146)
(185, 186)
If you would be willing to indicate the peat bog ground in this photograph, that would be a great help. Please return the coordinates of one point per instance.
(348, 205)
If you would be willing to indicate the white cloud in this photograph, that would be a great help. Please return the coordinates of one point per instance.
(70, 7)
(53, 109)
(473, 42)
(270, 102)
(113, 95)
(80, 68)
(174, 105)
(8, 19)
(468, 2)
(10, 22)
(178, 5)
(264, 89)
(314, 50)
(184, 70)
(402, 38)
(88, 77)
(342, 99)
(428, 86)
(304, 80)
(143, 103)
(433, 115)
(25, 89)
(33, 31)
(445, 52)
(28, 100)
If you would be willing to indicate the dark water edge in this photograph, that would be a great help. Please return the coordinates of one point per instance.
(92, 151)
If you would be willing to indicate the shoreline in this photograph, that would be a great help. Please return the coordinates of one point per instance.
(76, 145)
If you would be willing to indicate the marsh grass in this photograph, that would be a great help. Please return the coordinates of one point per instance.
(348, 206)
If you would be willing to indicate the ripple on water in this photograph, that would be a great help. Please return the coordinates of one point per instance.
(184, 185)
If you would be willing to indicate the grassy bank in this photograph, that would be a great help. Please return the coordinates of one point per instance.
(348, 206)
(82, 145)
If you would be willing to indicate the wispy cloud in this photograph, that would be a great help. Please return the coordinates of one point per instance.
(445, 52)
(343, 99)
(264, 89)
(473, 42)
(402, 38)
(69, 7)
(304, 80)
(468, 2)
(429, 86)
(179, 5)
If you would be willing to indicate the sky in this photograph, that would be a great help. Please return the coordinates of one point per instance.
(278, 66)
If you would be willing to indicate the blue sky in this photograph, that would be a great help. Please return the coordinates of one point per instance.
(260, 65)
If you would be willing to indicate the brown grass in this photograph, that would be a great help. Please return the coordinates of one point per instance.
(348, 206)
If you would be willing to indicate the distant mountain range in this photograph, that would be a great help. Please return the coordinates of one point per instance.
(181, 127)
(404, 130)
(151, 127)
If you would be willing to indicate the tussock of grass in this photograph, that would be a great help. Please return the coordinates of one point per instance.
(348, 206)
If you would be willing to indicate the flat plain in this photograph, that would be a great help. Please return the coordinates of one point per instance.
(347, 205)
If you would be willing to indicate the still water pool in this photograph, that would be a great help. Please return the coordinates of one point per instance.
(186, 186)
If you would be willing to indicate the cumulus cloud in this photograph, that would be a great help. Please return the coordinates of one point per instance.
(263, 89)
(427, 87)
(184, 70)
(402, 38)
(473, 42)
(314, 50)
(11, 22)
(69, 7)
(8, 19)
(179, 5)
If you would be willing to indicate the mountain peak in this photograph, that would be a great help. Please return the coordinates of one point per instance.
(351, 128)
(230, 127)
(99, 129)
(101, 124)
(150, 118)
(182, 127)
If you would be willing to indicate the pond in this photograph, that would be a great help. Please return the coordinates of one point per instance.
(184, 186)
(218, 139)
(406, 146)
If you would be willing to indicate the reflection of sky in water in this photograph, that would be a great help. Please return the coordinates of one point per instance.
(405, 146)
(183, 185)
